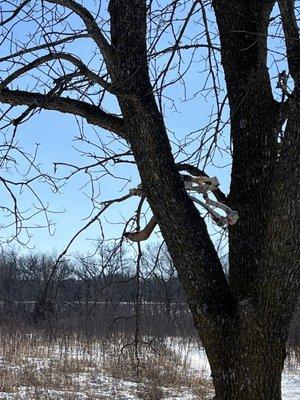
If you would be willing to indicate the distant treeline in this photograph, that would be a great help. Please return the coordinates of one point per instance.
(23, 278)
(96, 295)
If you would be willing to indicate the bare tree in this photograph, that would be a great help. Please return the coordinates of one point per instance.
(161, 274)
(242, 322)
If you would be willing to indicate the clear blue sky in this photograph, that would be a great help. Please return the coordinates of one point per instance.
(55, 134)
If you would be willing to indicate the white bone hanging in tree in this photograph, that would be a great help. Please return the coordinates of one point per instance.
(200, 185)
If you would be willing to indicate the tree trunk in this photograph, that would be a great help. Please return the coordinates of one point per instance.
(255, 375)
(248, 362)
(242, 322)
(243, 326)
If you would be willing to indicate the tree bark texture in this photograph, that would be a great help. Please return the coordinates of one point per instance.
(243, 325)
(242, 322)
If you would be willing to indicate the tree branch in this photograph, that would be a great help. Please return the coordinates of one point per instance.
(178, 47)
(93, 114)
(47, 45)
(182, 227)
(253, 119)
(91, 26)
(15, 13)
(292, 38)
(58, 56)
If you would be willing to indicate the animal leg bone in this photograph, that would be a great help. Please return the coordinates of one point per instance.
(232, 216)
(144, 234)
(199, 184)
(219, 219)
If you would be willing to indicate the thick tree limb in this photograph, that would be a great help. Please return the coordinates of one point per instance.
(93, 115)
(243, 28)
(183, 229)
(292, 38)
(91, 26)
(280, 287)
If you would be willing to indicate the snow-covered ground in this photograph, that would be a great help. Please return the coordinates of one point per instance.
(197, 359)
(78, 374)
(62, 370)
(290, 386)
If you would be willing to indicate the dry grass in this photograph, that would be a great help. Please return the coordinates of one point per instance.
(34, 367)
(158, 371)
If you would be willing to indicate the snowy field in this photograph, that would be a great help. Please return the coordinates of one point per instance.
(67, 369)
(198, 362)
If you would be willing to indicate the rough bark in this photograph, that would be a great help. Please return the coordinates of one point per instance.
(93, 114)
(264, 246)
(242, 323)
(254, 114)
(246, 353)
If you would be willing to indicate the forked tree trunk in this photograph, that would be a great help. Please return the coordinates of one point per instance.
(243, 324)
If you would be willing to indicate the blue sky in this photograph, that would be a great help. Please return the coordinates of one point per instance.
(56, 134)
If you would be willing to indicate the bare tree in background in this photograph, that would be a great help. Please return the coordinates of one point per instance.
(159, 268)
(242, 322)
